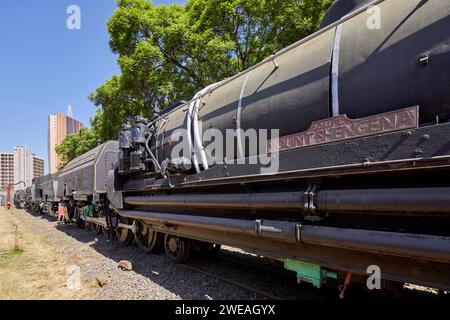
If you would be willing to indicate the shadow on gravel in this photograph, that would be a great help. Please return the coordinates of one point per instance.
(244, 269)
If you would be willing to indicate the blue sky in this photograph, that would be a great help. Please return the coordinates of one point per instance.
(44, 66)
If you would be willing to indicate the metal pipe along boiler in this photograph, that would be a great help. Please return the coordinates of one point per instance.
(401, 200)
(390, 243)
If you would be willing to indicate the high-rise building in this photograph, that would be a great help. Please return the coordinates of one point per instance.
(6, 169)
(52, 143)
(23, 166)
(59, 126)
(38, 167)
(20, 165)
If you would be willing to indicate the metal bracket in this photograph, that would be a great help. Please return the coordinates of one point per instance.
(424, 59)
(258, 224)
(309, 207)
(125, 226)
(298, 233)
(134, 227)
(170, 225)
(275, 64)
(306, 199)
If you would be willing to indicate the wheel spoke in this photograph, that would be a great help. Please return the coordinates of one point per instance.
(147, 239)
(124, 235)
(177, 249)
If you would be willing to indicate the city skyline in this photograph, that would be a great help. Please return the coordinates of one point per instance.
(59, 126)
(53, 68)
(44, 155)
(18, 165)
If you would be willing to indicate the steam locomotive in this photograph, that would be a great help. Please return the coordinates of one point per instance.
(331, 156)
(21, 198)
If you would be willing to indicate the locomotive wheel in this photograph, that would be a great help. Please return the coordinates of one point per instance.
(209, 249)
(81, 223)
(124, 235)
(98, 229)
(148, 240)
(94, 227)
(177, 249)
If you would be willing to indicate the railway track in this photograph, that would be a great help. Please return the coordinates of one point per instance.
(286, 287)
(269, 266)
(263, 278)
(255, 291)
(268, 281)
(256, 275)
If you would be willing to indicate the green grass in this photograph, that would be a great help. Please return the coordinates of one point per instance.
(11, 253)
(16, 251)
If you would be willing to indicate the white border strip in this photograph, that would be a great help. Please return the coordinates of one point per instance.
(335, 71)
(238, 117)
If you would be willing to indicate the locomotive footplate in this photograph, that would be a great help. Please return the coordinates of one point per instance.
(412, 149)
(98, 221)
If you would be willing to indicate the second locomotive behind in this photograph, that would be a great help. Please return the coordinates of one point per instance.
(362, 151)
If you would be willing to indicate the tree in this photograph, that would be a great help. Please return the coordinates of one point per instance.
(76, 144)
(115, 104)
(167, 53)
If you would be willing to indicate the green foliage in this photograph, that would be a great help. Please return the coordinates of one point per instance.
(74, 145)
(115, 103)
(167, 53)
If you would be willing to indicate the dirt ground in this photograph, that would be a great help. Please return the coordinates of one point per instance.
(44, 260)
(30, 268)
(54, 261)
